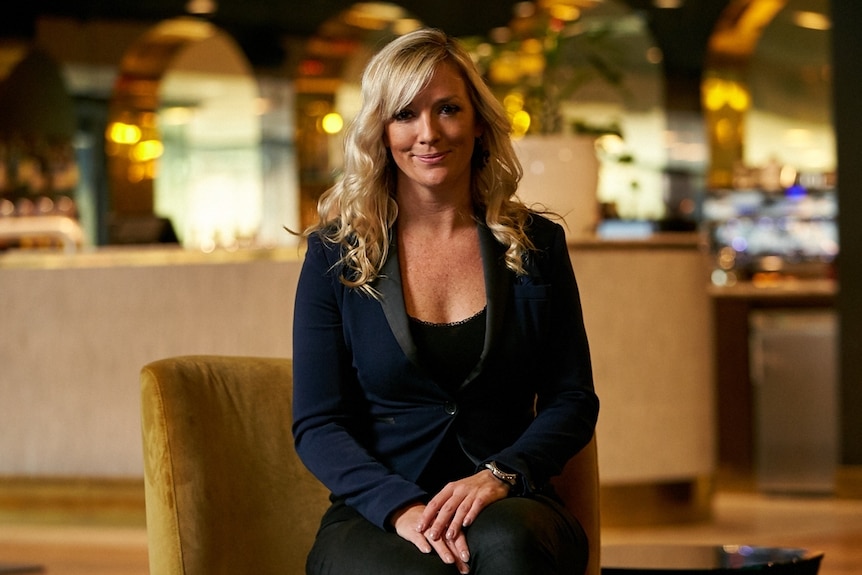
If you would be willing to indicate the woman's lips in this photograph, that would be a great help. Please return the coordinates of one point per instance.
(430, 158)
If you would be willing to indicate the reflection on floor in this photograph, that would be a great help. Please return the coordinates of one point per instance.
(834, 526)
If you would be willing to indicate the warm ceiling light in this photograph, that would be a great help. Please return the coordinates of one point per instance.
(811, 20)
(364, 21)
(736, 34)
(167, 31)
(667, 3)
(201, 7)
(373, 15)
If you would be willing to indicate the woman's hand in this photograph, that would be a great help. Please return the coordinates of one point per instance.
(457, 506)
(439, 526)
(407, 521)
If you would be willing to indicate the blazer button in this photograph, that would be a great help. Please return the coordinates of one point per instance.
(451, 407)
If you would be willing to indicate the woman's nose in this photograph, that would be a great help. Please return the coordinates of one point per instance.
(428, 129)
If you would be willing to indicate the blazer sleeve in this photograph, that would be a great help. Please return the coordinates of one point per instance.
(328, 418)
(567, 406)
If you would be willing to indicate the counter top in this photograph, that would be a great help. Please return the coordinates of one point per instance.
(140, 256)
(665, 240)
(160, 255)
(784, 288)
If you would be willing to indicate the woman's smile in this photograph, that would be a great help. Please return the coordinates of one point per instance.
(431, 139)
(435, 158)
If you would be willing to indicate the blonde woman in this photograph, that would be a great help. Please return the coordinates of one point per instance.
(441, 368)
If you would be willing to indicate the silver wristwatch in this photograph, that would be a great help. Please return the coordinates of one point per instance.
(510, 478)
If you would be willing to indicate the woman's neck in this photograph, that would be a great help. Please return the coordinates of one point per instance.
(434, 212)
(441, 220)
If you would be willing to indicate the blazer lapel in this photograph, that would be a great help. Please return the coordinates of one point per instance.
(392, 301)
(497, 286)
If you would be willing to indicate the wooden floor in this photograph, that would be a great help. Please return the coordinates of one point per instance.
(94, 547)
(833, 526)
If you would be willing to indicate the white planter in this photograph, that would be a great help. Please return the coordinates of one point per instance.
(561, 175)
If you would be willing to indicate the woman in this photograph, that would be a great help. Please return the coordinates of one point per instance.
(441, 369)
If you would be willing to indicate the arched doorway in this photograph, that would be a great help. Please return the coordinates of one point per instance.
(183, 140)
(767, 90)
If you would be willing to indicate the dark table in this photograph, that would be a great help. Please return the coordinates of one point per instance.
(707, 560)
(16, 568)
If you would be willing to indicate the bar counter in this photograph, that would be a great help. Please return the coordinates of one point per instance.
(78, 327)
(648, 316)
(732, 308)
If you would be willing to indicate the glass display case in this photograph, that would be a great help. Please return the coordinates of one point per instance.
(756, 234)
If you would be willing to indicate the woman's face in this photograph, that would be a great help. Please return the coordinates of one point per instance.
(432, 138)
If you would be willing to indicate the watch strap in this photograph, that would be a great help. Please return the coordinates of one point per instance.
(510, 478)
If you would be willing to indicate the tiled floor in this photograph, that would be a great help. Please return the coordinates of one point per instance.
(830, 525)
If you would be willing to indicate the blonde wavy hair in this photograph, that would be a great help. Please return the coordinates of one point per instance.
(359, 211)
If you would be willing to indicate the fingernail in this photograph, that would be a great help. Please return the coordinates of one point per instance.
(450, 535)
(465, 556)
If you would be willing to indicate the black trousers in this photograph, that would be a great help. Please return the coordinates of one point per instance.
(514, 536)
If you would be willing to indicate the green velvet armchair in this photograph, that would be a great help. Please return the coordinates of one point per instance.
(225, 491)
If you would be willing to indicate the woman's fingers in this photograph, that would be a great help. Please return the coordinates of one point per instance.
(439, 525)
(405, 522)
(458, 545)
(450, 553)
(458, 504)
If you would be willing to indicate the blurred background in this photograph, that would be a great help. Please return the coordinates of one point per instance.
(702, 154)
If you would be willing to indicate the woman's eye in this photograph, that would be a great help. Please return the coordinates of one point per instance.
(449, 109)
(402, 115)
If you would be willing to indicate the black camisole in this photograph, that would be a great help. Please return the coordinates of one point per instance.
(449, 352)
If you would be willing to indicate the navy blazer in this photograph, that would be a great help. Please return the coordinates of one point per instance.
(368, 416)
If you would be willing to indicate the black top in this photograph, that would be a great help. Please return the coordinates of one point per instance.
(449, 351)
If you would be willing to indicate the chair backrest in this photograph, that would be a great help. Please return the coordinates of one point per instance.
(578, 487)
(225, 491)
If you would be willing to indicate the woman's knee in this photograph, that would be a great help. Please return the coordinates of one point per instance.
(356, 547)
(524, 536)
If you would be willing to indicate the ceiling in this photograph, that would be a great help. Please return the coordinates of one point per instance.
(261, 25)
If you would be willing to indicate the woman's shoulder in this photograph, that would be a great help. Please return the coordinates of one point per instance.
(322, 243)
(543, 231)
